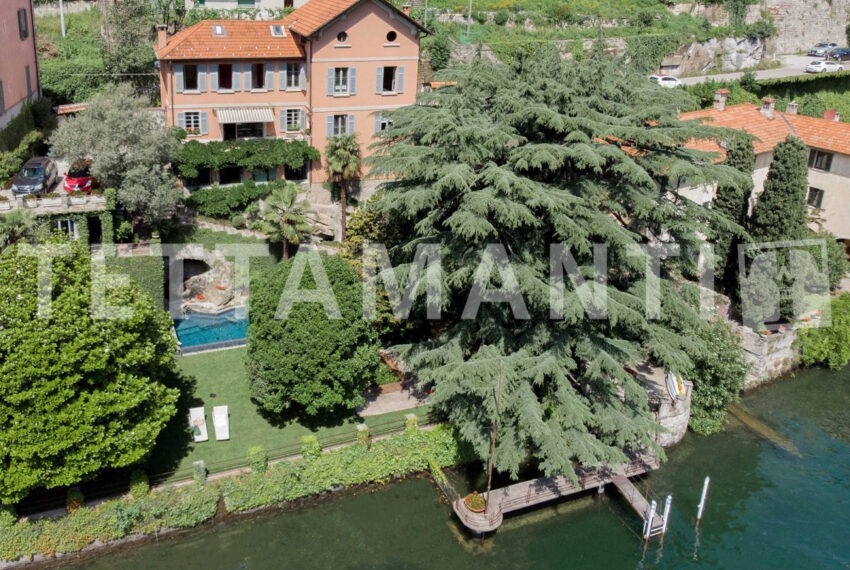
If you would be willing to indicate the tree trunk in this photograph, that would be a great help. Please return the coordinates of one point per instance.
(285, 249)
(343, 208)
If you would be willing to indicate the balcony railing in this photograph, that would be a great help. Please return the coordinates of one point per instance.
(45, 206)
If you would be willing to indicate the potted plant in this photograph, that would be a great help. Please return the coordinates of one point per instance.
(52, 199)
(77, 197)
(30, 201)
(293, 128)
(5, 204)
(97, 196)
(475, 502)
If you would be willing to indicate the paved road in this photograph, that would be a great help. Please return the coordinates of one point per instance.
(791, 65)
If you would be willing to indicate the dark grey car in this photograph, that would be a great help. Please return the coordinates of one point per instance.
(38, 176)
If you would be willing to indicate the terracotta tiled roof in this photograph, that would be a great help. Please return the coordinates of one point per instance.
(814, 132)
(316, 14)
(243, 39)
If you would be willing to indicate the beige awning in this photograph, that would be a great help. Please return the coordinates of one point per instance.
(245, 115)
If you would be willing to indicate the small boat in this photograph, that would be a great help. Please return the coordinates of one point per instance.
(675, 385)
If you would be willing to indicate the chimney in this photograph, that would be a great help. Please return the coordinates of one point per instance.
(720, 97)
(161, 36)
(768, 104)
(405, 9)
(792, 108)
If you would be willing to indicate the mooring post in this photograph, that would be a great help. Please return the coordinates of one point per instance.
(701, 505)
(666, 516)
(647, 527)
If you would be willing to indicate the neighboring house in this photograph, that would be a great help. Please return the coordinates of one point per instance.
(329, 68)
(828, 141)
(19, 82)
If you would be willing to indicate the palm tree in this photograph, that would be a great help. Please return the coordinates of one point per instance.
(344, 163)
(16, 226)
(283, 217)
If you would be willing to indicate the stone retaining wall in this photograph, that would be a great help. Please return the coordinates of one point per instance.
(768, 356)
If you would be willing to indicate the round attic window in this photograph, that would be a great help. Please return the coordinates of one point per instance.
(391, 36)
(342, 37)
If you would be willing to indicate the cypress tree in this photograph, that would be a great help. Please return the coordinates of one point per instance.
(780, 211)
(525, 155)
(733, 201)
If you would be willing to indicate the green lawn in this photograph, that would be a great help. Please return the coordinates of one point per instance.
(220, 380)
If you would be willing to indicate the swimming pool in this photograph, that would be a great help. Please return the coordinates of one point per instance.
(204, 331)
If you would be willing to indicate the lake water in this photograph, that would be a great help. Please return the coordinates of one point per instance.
(767, 508)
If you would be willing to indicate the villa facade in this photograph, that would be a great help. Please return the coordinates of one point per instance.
(19, 82)
(827, 140)
(331, 67)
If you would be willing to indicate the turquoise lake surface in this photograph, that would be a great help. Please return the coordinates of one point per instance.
(773, 504)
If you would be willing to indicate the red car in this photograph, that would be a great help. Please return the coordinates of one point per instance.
(78, 178)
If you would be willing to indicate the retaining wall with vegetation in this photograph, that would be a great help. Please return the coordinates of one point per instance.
(142, 514)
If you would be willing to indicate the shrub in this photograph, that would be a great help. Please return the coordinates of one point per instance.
(139, 484)
(199, 472)
(258, 459)
(228, 202)
(480, 16)
(238, 221)
(439, 49)
(829, 346)
(363, 435)
(310, 447)
(411, 424)
(501, 17)
(7, 516)
(385, 375)
(74, 500)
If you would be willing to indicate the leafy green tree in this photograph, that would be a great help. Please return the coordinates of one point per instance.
(310, 361)
(718, 371)
(829, 345)
(130, 150)
(523, 156)
(283, 217)
(344, 163)
(780, 211)
(78, 394)
(127, 38)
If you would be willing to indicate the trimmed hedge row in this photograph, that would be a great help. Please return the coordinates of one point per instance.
(189, 506)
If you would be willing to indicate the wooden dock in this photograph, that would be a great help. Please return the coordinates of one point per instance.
(639, 503)
(529, 494)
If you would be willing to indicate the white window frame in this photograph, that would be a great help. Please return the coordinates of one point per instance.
(296, 86)
(340, 120)
(394, 82)
(274, 29)
(815, 156)
(192, 121)
(341, 81)
(295, 113)
(384, 123)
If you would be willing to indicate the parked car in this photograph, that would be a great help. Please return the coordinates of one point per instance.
(821, 49)
(37, 176)
(820, 65)
(79, 178)
(666, 80)
(839, 54)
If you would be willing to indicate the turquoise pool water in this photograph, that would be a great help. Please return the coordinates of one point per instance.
(200, 331)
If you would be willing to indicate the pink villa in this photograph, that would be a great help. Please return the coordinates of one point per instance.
(329, 68)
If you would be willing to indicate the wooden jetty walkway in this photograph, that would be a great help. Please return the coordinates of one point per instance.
(539, 491)
(640, 505)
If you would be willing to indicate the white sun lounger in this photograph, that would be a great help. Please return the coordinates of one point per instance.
(198, 423)
(221, 422)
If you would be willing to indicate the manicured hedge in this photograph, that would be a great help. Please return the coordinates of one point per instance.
(147, 271)
(189, 506)
(224, 202)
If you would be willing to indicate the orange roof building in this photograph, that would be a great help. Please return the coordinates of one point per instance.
(330, 67)
(827, 138)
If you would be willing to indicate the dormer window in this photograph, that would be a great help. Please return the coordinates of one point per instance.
(278, 31)
(218, 31)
